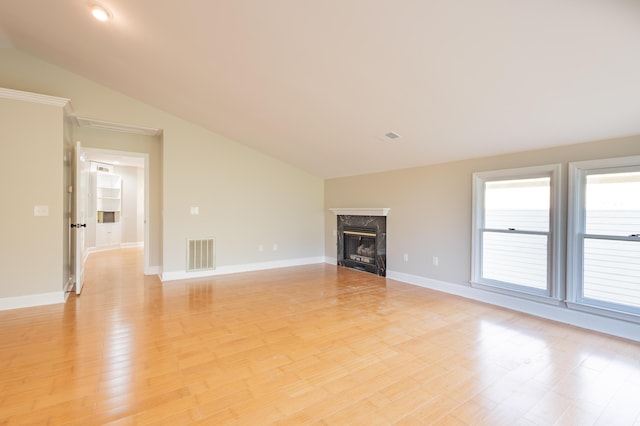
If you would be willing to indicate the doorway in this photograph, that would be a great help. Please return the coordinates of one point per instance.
(140, 150)
(117, 200)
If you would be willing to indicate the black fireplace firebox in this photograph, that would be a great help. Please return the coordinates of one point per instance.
(362, 242)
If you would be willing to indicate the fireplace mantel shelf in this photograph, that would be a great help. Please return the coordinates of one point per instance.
(360, 211)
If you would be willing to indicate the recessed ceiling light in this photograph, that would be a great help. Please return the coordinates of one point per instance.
(100, 13)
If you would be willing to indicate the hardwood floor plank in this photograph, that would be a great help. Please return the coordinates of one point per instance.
(306, 345)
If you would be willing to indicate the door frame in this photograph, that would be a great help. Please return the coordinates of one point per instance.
(79, 215)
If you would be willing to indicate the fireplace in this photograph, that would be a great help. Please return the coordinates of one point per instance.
(360, 245)
(362, 240)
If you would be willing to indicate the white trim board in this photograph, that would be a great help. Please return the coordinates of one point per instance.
(134, 244)
(359, 211)
(31, 300)
(116, 246)
(234, 269)
(117, 127)
(20, 95)
(153, 270)
(561, 314)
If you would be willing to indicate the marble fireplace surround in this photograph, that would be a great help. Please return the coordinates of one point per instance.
(363, 218)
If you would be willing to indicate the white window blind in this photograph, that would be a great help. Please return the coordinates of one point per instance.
(612, 271)
(515, 258)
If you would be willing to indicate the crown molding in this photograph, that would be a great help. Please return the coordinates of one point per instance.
(19, 95)
(117, 127)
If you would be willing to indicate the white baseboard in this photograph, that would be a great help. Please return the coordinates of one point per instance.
(133, 244)
(561, 314)
(102, 248)
(115, 246)
(153, 270)
(234, 269)
(31, 300)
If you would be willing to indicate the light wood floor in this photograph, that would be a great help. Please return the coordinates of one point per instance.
(306, 345)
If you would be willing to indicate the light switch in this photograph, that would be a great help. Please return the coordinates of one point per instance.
(195, 210)
(41, 210)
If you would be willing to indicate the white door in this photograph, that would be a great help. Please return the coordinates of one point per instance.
(79, 214)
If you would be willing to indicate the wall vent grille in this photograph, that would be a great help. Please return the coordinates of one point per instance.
(201, 254)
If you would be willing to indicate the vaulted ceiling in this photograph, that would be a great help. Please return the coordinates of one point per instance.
(319, 84)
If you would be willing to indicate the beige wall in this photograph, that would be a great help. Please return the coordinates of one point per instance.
(431, 206)
(245, 198)
(31, 174)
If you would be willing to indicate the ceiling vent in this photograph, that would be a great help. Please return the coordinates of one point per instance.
(390, 136)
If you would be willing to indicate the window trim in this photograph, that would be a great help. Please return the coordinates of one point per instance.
(554, 294)
(578, 171)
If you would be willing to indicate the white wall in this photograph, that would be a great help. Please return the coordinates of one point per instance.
(129, 213)
(140, 204)
(245, 198)
(31, 175)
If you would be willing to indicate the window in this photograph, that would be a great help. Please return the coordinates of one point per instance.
(604, 237)
(515, 248)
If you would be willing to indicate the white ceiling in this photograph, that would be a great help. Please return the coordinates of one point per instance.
(318, 83)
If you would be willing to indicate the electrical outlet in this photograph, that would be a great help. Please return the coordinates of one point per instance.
(275, 247)
(435, 260)
(406, 257)
(260, 247)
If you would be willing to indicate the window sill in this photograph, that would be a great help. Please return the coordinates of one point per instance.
(519, 294)
(604, 312)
